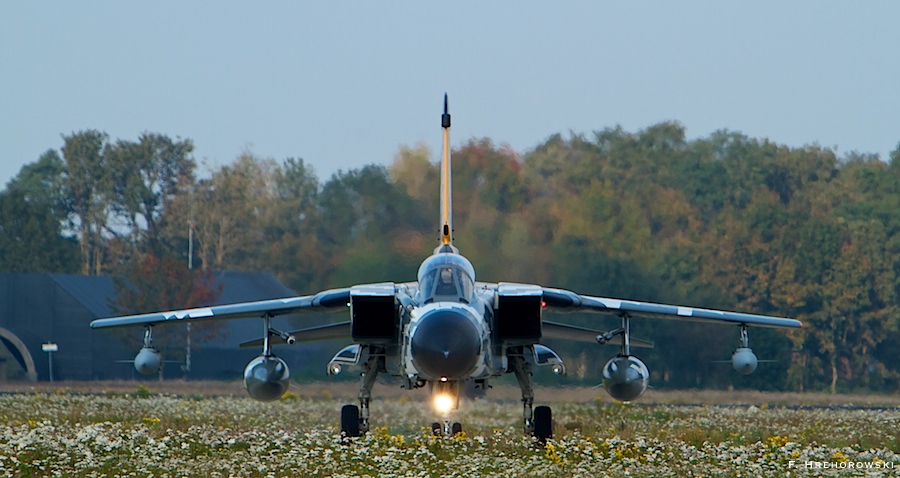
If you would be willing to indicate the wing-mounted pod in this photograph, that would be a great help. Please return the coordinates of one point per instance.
(518, 309)
(267, 377)
(374, 318)
(625, 377)
(743, 359)
(148, 361)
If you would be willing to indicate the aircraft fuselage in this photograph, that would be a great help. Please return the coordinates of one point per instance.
(445, 326)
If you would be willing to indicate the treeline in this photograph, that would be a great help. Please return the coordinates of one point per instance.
(725, 221)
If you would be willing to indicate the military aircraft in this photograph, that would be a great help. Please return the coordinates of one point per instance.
(447, 332)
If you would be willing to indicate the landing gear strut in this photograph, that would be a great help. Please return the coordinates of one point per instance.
(538, 421)
(355, 419)
(446, 399)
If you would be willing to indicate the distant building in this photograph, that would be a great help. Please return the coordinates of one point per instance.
(38, 309)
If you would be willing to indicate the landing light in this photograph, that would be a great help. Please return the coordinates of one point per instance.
(443, 403)
(334, 368)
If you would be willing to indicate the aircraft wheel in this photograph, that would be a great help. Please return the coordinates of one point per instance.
(543, 423)
(350, 421)
(436, 429)
(456, 429)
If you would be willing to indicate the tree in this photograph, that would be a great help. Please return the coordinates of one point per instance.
(31, 220)
(228, 210)
(89, 185)
(726, 221)
(164, 283)
(148, 175)
(414, 171)
(364, 213)
(292, 221)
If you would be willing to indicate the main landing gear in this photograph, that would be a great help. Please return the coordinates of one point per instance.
(538, 421)
(355, 419)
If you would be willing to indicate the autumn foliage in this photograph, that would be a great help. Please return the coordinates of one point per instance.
(724, 221)
(162, 283)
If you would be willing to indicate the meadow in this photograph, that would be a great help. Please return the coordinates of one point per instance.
(213, 430)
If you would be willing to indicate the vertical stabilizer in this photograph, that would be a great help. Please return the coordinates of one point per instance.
(446, 203)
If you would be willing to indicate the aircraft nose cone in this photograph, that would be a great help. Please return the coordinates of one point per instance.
(445, 344)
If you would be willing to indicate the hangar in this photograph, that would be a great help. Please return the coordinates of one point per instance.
(39, 309)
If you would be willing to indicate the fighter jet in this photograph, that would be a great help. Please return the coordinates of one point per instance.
(447, 331)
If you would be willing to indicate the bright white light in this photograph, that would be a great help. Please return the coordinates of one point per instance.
(443, 403)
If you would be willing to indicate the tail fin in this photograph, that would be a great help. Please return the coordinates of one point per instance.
(446, 203)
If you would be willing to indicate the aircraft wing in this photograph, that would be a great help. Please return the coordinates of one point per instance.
(567, 301)
(334, 300)
(323, 332)
(553, 330)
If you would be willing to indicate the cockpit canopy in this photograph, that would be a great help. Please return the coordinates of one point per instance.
(446, 277)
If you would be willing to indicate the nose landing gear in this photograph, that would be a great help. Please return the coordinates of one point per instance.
(446, 429)
(445, 395)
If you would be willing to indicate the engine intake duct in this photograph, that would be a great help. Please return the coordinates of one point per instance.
(373, 312)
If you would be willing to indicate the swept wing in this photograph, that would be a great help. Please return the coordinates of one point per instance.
(567, 301)
(333, 300)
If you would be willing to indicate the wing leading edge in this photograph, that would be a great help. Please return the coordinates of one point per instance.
(333, 300)
(566, 301)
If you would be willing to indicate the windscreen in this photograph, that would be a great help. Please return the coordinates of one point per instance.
(446, 277)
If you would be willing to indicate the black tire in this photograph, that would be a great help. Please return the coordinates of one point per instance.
(455, 429)
(350, 421)
(436, 429)
(543, 423)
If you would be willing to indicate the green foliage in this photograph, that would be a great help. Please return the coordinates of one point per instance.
(32, 214)
(725, 221)
(144, 392)
(147, 176)
(164, 283)
(370, 229)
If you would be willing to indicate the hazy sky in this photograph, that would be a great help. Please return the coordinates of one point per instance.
(343, 84)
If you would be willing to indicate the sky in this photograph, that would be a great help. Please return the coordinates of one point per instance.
(345, 84)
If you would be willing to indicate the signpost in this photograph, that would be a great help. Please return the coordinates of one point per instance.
(50, 347)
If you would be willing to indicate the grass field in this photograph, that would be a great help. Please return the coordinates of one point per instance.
(212, 429)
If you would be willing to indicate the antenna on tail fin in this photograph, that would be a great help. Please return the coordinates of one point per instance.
(446, 204)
